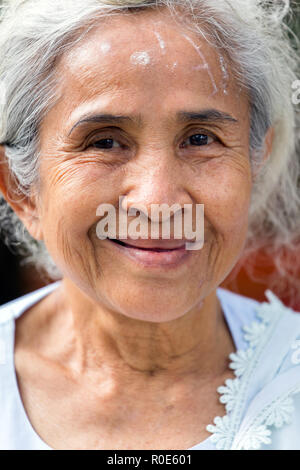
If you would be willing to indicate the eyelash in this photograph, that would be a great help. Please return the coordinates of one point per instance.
(202, 133)
(124, 146)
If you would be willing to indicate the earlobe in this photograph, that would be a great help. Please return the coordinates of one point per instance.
(22, 205)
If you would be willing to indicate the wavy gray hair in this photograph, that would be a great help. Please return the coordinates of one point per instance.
(253, 36)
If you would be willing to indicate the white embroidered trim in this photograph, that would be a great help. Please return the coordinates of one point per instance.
(233, 393)
(277, 413)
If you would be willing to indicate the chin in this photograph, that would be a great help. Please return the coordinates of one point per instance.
(155, 309)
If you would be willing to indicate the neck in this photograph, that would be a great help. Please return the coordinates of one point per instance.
(196, 343)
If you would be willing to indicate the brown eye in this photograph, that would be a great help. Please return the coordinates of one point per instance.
(200, 140)
(106, 144)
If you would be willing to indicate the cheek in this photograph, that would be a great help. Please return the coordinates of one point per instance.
(72, 191)
(225, 191)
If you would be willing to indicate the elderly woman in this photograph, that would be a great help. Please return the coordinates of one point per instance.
(134, 105)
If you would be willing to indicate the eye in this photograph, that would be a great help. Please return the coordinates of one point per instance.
(199, 140)
(106, 144)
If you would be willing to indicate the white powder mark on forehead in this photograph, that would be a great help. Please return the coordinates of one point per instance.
(223, 67)
(225, 74)
(200, 67)
(204, 64)
(161, 42)
(105, 47)
(140, 58)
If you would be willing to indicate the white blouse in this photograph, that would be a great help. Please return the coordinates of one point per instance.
(262, 402)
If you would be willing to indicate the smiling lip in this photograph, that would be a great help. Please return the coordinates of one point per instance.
(164, 245)
(154, 253)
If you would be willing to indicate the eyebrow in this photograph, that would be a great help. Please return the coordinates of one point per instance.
(205, 116)
(208, 115)
(104, 119)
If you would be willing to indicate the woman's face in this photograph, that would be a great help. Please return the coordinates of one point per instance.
(178, 132)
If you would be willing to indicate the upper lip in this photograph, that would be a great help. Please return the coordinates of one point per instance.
(154, 244)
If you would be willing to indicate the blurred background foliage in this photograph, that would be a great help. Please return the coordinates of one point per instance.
(295, 21)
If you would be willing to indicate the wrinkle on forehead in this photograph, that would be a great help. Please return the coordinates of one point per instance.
(135, 58)
(225, 74)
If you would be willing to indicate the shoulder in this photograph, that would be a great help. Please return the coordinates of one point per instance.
(235, 298)
(239, 312)
(273, 407)
(244, 308)
(273, 334)
(15, 308)
(264, 398)
(269, 312)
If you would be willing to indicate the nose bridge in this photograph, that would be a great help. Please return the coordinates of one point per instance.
(158, 179)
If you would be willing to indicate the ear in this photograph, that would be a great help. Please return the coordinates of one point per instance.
(268, 146)
(24, 206)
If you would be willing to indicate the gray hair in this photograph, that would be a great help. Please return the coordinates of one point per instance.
(263, 56)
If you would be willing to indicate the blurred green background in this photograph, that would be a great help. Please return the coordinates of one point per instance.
(296, 18)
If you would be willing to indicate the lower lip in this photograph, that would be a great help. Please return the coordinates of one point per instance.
(151, 258)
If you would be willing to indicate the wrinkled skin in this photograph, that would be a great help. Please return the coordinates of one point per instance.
(152, 169)
(116, 331)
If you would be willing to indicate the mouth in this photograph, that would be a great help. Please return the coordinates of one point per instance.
(148, 245)
(153, 253)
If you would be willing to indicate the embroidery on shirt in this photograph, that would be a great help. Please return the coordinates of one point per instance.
(233, 393)
(277, 413)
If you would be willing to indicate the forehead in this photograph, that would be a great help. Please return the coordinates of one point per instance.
(143, 58)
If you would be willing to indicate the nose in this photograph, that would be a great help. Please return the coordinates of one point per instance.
(157, 179)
